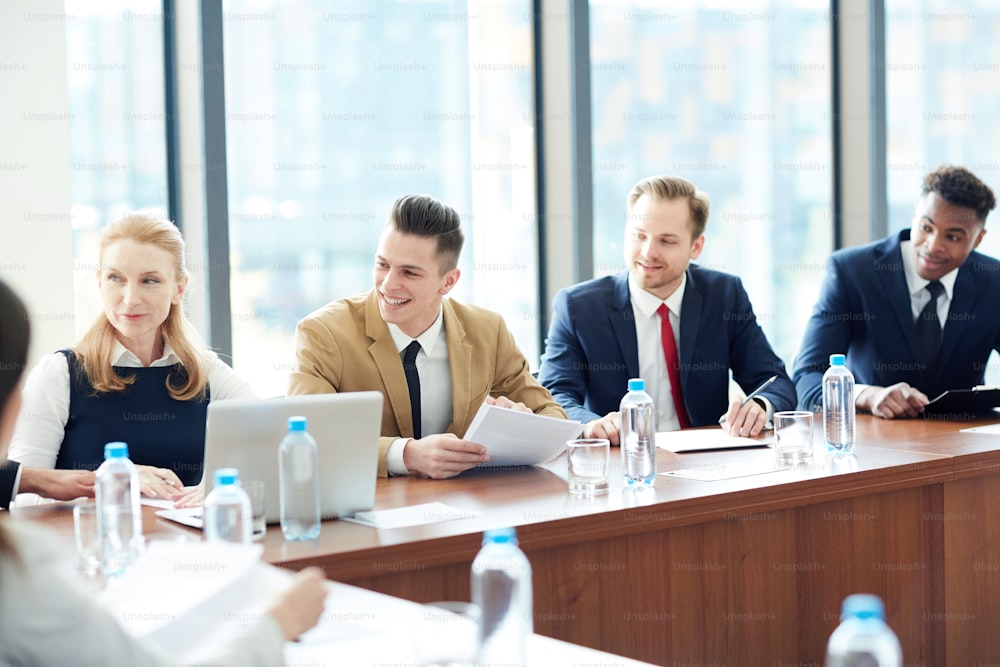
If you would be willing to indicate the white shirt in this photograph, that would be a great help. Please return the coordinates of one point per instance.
(652, 364)
(434, 369)
(919, 296)
(41, 425)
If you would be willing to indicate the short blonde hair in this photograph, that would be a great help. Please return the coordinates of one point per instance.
(673, 187)
(93, 352)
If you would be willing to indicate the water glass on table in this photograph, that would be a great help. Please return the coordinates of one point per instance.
(793, 437)
(588, 466)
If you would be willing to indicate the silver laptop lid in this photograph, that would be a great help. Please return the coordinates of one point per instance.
(245, 434)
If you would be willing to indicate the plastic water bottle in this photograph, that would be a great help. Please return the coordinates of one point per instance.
(299, 469)
(863, 639)
(638, 438)
(227, 513)
(119, 514)
(838, 408)
(501, 588)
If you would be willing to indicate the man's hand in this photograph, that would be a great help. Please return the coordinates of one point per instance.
(57, 484)
(899, 400)
(609, 426)
(504, 402)
(443, 455)
(746, 421)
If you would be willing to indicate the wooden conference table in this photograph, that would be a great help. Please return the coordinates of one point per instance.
(746, 570)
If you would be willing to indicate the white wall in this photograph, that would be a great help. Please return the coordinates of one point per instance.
(36, 256)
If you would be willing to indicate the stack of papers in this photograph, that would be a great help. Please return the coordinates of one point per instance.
(515, 438)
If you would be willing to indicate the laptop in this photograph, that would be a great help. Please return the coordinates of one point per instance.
(245, 434)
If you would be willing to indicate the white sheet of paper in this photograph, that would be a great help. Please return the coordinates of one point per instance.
(715, 472)
(515, 438)
(992, 429)
(693, 440)
(414, 515)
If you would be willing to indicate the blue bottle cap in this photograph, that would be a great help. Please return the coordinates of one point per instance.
(500, 536)
(116, 450)
(297, 423)
(226, 476)
(863, 606)
(637, 384)
(837, 360)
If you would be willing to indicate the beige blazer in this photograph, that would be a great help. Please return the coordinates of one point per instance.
(346, 346)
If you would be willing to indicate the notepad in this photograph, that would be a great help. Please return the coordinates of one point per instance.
(414, 515)
(699, 440)
(963, 404)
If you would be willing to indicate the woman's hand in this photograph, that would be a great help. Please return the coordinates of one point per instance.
(189, 496)
(298, 609)
(158, 482)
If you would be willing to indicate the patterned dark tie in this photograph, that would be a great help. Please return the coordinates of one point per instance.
(413, 383)
(929, 333)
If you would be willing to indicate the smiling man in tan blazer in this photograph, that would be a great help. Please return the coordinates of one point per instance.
(464, 355)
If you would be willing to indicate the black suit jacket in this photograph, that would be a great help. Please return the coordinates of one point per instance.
(8, 473)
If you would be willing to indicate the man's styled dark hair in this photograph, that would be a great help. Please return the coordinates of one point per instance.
(422, 215)
(960, 187)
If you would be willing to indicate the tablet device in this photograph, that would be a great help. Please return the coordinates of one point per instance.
(963, 404)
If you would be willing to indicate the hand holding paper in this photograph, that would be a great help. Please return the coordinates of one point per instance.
(514, 438)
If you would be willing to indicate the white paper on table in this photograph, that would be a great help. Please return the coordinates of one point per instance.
(515, 438)
(716, 471)
(414, 515)
(992, 429)
(701, 439)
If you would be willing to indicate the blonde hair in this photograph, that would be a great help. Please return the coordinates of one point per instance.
(93, 352)
(673, 187)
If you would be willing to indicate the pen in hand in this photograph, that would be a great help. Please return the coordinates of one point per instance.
(759, 389)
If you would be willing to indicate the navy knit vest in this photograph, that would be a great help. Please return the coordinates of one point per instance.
(160, 431)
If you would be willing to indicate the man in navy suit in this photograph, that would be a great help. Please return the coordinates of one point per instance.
(679, 326)
(916, 313)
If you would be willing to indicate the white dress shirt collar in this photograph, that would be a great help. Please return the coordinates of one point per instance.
(122, 357)
(647, 304)
(427, 339)
(914, 283)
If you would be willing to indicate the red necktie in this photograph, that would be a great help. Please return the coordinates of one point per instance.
(673, 364)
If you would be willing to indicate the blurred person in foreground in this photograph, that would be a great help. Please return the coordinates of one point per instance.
(435, 360)
(140, 375)
(50, 619)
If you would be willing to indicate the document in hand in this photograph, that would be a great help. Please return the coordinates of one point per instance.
(515, 438)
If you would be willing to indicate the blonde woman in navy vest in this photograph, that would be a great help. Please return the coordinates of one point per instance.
(50, 619)
(141, 374)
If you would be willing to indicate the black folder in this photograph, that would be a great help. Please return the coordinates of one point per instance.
(963, 404)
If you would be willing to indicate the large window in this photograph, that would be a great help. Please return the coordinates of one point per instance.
(734, 97)
(116, 126)
(942, 87)
(333, 110)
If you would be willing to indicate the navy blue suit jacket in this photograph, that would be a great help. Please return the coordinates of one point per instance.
(864, 312)
(591, 351)
(8, 473)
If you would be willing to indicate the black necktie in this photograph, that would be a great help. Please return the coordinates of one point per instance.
(929, 333)
(413, 383)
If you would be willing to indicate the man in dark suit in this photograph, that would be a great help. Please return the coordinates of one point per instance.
(680, 327)
(57, 484)
(916, 313)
